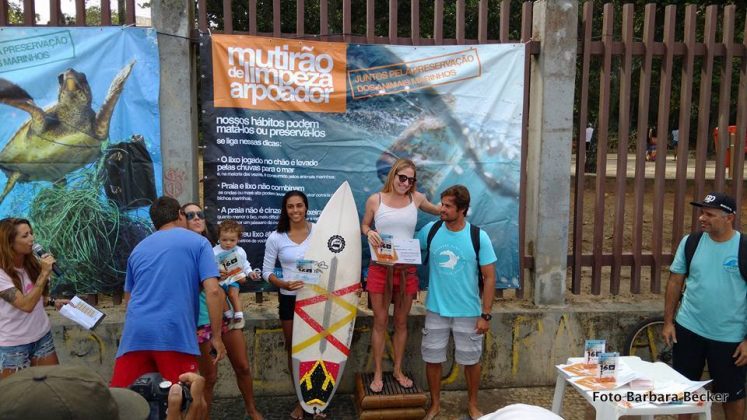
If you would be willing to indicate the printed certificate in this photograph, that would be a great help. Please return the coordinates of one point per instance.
(397, 251)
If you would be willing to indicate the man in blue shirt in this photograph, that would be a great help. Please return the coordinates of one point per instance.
(453, 303)
(164, 275)
(711, 323)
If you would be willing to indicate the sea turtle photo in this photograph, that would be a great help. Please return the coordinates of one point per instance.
(60, 138)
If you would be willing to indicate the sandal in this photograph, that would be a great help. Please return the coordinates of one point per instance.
(404, 381)
(376, 386)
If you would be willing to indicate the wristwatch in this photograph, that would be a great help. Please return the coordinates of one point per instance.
(486, 317)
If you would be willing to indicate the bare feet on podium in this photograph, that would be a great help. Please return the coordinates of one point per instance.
(474, 412)
(402, 380)
(377, 383)
(432, 412)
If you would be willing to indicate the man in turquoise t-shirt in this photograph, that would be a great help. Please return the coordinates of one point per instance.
(453, 303)
(711, 323)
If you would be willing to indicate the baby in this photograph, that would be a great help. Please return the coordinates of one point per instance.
(234, 268)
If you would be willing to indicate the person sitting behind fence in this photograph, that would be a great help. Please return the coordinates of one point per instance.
(651, 144)
(229, 233)
(675, 141)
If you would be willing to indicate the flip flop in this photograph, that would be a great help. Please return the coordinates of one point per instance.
(375, 386)
(404, 381)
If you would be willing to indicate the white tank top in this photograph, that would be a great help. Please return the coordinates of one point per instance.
(400, 223)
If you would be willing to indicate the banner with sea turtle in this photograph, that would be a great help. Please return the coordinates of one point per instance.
(80, 144)
(282, 114)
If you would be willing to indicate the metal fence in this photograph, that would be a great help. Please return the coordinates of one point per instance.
(663, 54)
(124, 16)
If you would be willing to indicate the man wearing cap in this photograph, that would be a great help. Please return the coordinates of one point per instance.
(711, 323)
(77, 392)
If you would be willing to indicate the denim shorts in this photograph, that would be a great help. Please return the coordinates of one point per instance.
(19, 357)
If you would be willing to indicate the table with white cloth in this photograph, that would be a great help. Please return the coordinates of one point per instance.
(606, 408)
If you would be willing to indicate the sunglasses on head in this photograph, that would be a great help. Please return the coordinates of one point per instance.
(405, 178)
(192, 214)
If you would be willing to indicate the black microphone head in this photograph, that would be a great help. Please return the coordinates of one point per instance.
(38, 249)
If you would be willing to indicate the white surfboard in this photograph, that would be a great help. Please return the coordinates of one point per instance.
(325, 312)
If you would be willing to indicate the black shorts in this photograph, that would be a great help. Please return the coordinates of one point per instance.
(692, 351)
(286, 306)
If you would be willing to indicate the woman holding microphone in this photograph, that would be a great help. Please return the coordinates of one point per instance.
(25, 331)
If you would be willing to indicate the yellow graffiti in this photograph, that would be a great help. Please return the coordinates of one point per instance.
(100, 342)
(516, 340)
(257, 333)
(328, 379)
(454, 372)
(563, 325)
(70, 341)
(452, 376)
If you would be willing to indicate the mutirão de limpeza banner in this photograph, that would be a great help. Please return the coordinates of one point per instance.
(286, 114)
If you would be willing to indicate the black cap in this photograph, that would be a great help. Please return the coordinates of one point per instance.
(719, 201)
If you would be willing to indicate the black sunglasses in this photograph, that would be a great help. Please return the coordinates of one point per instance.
(192, 214)
(405, 178)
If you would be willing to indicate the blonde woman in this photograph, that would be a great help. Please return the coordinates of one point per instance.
(393, 211)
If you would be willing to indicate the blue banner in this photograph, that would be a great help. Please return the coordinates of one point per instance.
(80, 142)
(285, 114)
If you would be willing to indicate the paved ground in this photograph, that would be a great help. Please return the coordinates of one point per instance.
(574, 406)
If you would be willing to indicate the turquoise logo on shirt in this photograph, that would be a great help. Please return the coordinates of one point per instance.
(731, 265)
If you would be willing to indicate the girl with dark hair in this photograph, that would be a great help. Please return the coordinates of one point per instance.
(288, 244)
(393, 211)
(233, 339)
(25, 331)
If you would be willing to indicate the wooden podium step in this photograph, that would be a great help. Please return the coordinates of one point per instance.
(393, 402)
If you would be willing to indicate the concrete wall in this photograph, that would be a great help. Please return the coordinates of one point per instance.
(521, 349)
(550, 131)
(177, 98)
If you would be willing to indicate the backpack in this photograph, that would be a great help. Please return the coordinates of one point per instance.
(129, 178)
(691, 244)
(474, 234)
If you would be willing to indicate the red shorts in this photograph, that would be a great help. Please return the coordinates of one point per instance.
(376, 281)
(132, 365)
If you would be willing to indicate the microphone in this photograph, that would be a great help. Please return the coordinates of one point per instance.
(39, 251)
